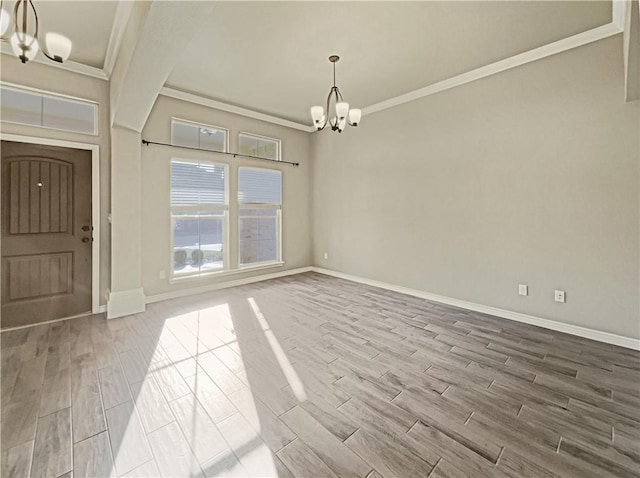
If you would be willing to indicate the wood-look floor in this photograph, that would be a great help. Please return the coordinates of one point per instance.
(314, 376)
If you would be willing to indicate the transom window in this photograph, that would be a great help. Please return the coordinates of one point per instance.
(260, 207)
(198, 136)
(48, 111)
(199, 215)
(260, 146)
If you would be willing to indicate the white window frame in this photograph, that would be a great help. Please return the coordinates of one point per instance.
(56, 96)
(278, 261)
(210, 207)
(205, 126)
(259, 136)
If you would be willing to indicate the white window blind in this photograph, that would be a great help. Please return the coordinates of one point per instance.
(260, 201)
(48, 111)
(195, 184)
(259, 186)
(199, 215)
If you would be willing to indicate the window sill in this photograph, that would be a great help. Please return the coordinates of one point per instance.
(225, 272)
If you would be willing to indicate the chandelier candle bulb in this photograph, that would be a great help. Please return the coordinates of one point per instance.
(341, 124)
(24, 46)
(354, 116)
(342, 109)
(5, 19)
(58, 45)
(317, 114)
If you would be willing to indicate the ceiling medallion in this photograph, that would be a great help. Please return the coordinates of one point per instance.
(26, 45)
(341, 108)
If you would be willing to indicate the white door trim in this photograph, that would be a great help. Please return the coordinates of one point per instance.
(95, 201)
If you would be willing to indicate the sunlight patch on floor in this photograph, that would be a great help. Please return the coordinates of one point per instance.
(289, 372)
(217, 323)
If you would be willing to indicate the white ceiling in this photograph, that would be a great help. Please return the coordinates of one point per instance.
(271, 57)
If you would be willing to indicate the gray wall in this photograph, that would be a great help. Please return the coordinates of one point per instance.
(529, 176)
(296, 184)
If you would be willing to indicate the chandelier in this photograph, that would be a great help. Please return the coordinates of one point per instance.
(26, 45)
(341, 108)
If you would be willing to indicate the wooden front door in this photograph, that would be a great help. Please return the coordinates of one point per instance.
(46, 233)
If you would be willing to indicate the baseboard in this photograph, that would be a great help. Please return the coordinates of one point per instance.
(223, 285)
(130, 299)
(125, 302)
(585, 332)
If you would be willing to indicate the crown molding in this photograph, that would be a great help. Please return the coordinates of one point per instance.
(218, 105)
(616, 26)
(575, 41)
(545, 51)
(68, 65)
(123, 12)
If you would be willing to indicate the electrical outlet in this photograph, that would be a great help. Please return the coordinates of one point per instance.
(162, 275)
(559, 296)
(523, 289)
(326, 255)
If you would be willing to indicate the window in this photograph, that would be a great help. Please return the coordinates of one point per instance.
(253, 145)
(48, 111)
(199, 136)
(199, 216)
(260, 204)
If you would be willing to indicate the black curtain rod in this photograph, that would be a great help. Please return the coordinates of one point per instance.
(147, 143)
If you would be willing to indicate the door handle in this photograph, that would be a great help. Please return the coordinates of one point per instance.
(87, 228)
(87, 239)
